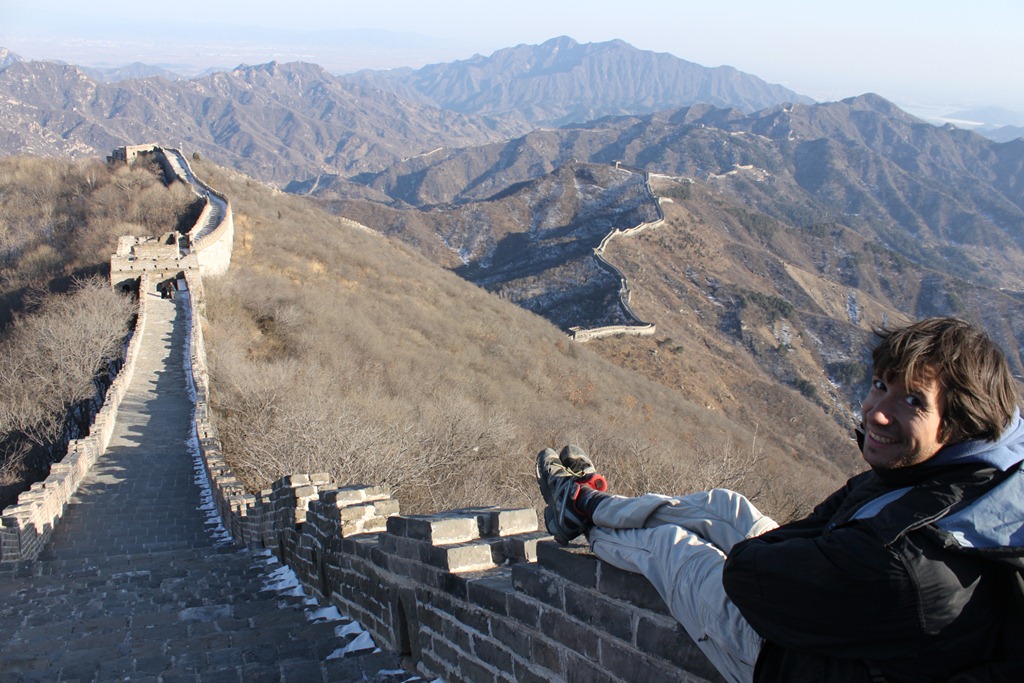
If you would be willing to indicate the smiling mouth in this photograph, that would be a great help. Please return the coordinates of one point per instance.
(882, 439)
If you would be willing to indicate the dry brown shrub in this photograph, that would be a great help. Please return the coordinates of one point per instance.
(49, 359)
(60, 218)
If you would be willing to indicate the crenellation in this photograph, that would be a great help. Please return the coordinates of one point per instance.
(355, 494)
(504, 522)
(349, 520)
(522, 547)
(437, 529)
(473, 556)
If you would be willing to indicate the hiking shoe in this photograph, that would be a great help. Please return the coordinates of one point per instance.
(576, 460)
(560, 487)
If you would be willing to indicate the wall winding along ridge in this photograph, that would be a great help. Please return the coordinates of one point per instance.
(206, 247)
(639, 328)
(26, 525)
(469, 595)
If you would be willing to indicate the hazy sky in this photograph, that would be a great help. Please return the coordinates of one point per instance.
(939, 54)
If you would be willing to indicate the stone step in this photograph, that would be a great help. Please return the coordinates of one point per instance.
(209, 614)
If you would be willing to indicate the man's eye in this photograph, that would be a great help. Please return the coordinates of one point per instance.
(878, 384)
(912, 400)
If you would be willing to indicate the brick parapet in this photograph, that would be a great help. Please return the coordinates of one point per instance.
(212, 236)
(209, 241)
(27, 524)
(471, 595)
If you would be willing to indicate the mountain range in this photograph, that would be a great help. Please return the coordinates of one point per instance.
(562, 81)
(937, 196)
(828, 217)
(281, 122)
(791, 227)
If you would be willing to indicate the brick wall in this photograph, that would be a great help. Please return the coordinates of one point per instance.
(209, 241)
(25, 526)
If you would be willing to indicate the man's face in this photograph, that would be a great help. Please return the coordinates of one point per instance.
(901, 423)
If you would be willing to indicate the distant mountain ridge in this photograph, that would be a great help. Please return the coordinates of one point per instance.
(7, 58)
(995, 123)
(273, 121)
(282, 122)
(135, 70)
(562, 81)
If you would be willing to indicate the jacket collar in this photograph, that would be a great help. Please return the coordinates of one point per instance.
(1002, 454)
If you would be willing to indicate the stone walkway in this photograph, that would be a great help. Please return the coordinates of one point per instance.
(139, 583)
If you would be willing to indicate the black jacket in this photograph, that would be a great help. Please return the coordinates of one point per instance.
(891, 594)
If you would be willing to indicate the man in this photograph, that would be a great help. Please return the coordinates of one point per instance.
(912, 572)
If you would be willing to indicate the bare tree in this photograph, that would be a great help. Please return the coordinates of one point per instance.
(50, 358)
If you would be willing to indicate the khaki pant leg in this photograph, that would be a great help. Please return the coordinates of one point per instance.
(720, 516)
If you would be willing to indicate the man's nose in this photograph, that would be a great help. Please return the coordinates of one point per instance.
(879, 413)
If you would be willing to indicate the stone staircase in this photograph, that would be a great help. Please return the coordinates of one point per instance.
(139, 582)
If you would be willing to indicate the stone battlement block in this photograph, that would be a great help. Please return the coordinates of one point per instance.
(353, 495)
(523, 547)
(439, 529)
(291, 481)
(457, 557)
(459, 526)
(501, 522)
(320, 479)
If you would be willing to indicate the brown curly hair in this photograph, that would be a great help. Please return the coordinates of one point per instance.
(980, 392)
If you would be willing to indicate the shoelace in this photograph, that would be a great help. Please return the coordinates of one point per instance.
(569, 498)
(596, 481)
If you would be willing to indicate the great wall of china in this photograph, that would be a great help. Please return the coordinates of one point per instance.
(638, 328)
(465, 595)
